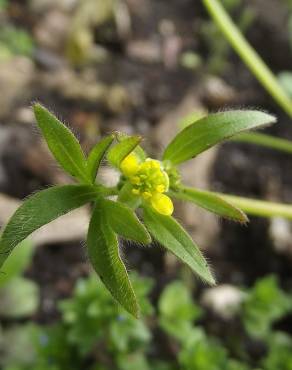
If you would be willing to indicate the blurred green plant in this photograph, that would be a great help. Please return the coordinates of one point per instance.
(19, 296)
(265, 304)
(15, 41)
(95, 334)
(219, 47)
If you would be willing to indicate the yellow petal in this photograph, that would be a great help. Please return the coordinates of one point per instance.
(162, 204)
(130, 165)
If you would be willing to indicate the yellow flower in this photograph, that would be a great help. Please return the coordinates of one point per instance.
(149, 181)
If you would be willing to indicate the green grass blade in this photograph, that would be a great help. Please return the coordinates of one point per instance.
(62, 143)
(104, 255)
(210, 202)
(168, 232)
(96, 155)
(210, 130)
(249, 56)
(40, 209)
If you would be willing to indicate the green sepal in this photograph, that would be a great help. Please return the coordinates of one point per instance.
(40, 209)
(210, 202)
(169, 233)
(62, 143)
(125, 222)
(103, 251)
(210, 130)
(96, 155)
(120, 151)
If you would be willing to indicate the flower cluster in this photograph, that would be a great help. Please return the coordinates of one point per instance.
(149, 181)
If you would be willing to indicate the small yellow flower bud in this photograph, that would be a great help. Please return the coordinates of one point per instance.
(162, 204)
(130, 165)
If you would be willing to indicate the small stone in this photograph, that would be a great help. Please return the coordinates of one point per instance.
(280, 231)
(224, 300)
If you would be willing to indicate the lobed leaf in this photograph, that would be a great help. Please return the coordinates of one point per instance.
(168, 232)
(104, 255)
(62, 143)
(210, 202)
(120, 151)
(125, 222)
(40, 209)
(96, 155)
(210, 130)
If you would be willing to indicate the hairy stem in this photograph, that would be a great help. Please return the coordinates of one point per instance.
(259, 207)
(267, 141)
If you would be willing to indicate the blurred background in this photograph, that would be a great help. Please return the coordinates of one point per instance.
(143, 66)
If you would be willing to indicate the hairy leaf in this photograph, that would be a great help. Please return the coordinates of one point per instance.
(125, 223)
(62, 143)
(40, 209)
(120, 151)
(211, 202)
(96, 155)
(167, 231)
(210, 130)
(104, 255)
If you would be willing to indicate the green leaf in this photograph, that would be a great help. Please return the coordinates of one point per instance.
(211, 202)
(120, 151)
(121, 136)
(40, 209)
(96, 155)
(167, 231)
(210, 130)
(104, 255)
(62, 143)
(125, 222)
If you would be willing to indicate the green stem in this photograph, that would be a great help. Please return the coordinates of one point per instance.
(251, 58)
(258, 207)
(267, 141)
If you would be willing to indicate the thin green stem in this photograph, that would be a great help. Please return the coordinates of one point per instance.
(267, 141)
(251, 58)
(259, 207)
